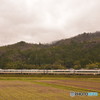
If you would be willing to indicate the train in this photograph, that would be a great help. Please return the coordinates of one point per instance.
(49, 71)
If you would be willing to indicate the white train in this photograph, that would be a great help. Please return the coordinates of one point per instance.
(46, 71)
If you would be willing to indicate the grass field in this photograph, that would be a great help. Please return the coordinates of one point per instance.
(47, 88)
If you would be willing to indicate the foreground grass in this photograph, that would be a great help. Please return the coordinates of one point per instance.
(71, 88)
(33, 88)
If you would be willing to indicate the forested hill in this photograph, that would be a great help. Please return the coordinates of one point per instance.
(82, 51)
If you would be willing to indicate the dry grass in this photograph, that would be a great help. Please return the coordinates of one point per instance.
(30, 90)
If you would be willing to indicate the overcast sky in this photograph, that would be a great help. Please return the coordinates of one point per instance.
(45, 21)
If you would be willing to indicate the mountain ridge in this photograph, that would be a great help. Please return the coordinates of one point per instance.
(81, 51)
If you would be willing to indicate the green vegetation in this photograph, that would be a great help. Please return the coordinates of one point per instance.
(40, 76)
(71, 88)
(82, 51)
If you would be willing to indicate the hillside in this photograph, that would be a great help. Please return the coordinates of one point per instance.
(82, 51)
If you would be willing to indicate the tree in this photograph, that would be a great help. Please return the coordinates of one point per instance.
(93, 66)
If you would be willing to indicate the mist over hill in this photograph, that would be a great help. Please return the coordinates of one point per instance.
(81, 51)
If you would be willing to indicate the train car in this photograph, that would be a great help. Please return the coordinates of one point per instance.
(46, 71)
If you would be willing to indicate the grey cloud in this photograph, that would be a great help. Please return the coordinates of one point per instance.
(46, 20)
